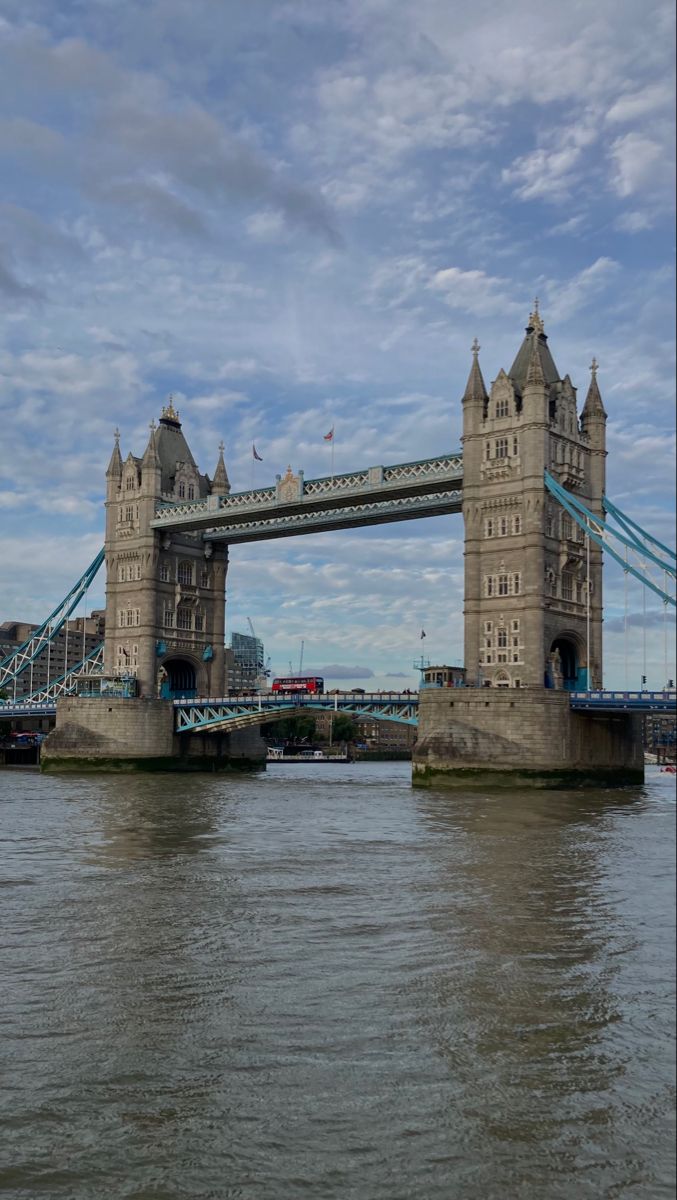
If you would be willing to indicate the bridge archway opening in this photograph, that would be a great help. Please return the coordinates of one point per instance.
(565, 667)
(180, 679)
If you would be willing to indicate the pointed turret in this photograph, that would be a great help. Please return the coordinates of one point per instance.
(151, 458)
(593, 409)
(115, 465)
(220, 482)
(474, 388)
(535, 369)
(534, 336)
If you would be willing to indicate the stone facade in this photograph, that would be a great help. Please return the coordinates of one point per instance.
(529, 573)
(493, 737)
(123, 735)
(165, 593)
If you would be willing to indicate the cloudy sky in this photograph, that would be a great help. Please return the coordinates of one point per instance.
(299, 214)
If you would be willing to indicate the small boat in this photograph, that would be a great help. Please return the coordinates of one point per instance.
(279, 754)
(670, 769)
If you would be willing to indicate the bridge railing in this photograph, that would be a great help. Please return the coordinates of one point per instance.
(368, 479)
(610, 695)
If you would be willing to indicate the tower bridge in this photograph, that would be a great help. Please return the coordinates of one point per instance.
(530, 484)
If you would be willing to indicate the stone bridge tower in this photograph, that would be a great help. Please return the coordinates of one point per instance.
(533, 586)
(165, 593)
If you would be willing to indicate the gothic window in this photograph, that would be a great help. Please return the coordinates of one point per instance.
(489, 527)
(503, 585)
(121, 574)
(169, 618)
(489, 585)
(567, 586)
(182, 490)
(501, 447)
(164, 572)
(501, 656)
(516, 583)
(515, 626)
(199, 622)
(516, 643)
(138, 570)
(515, 446)
(183, 618)
(129, 512)
(488, 626)
(185, 572)
(204, 577)
(137, 616)
(549, 525)
(487, 450)
(567, 526)
(129, 483)
(503, 526)
(502, 640)
(515, 657)
(191, 492)
(487, 643)
(517, 524)
(122, 618)
(503, 407)
(489, 659)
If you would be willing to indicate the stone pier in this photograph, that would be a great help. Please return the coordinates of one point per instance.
(112, 734)
(527, 737)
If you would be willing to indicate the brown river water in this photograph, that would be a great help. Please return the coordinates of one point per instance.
(317, 982)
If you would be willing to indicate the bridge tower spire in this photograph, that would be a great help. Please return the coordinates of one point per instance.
(533, 588)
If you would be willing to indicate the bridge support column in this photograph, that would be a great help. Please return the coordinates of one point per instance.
(138, 735)
(527, 737)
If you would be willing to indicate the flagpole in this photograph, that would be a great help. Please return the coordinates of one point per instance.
(333, 440)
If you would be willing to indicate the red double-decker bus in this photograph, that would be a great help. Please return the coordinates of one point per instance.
(311, 685)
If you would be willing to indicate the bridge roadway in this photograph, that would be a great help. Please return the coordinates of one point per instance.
(240, 712)
(295, 505)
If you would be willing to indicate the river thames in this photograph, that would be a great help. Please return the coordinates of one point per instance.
(317, 982)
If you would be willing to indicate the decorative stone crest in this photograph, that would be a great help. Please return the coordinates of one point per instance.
(289, 486)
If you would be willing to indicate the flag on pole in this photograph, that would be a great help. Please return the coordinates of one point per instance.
(255, 454)
(422, 634)
(329, 437)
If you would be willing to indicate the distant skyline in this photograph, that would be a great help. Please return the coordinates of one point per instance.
(295, 218)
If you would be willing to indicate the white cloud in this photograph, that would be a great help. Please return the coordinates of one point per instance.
(474, 291)
(631, 105)
(636, 160)
(551, 171)
(565, 299)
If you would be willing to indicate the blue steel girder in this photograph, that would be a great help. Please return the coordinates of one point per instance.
(611, 701)
(602, 533)
(21, 658)
(193, 716)
(66, 684)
